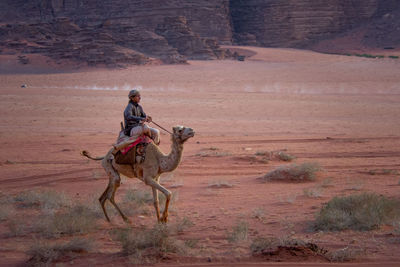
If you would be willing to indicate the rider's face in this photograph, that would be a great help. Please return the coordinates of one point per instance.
(136, 99)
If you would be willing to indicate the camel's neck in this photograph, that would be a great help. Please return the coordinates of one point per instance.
(171, 161)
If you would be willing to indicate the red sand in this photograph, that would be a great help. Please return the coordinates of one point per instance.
(342, 112)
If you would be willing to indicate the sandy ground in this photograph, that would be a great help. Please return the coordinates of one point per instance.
(339, 111)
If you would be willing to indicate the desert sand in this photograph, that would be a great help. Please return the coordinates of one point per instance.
(341, 112)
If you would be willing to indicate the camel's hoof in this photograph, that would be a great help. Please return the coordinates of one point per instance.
(126, 220)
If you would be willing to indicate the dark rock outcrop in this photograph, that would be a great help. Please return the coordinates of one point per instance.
(118, 32)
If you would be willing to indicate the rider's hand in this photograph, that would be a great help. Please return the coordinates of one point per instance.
(148, 119)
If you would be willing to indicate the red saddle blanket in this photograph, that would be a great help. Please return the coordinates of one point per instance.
(140, 139)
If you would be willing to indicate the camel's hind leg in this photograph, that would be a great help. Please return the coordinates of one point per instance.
(109, 193)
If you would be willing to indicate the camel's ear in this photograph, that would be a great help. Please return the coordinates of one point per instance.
(177, 128)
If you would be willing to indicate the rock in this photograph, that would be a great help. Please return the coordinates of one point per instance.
(107, 31)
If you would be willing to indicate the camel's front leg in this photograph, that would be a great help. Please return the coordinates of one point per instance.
(156, 202)
(156, 186)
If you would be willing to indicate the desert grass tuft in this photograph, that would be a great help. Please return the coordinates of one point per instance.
(239, 232)
(261, 244)
(293, 173)
(44, 199)
(344, 254)
(219, 184)
(258, 213)
(43, 253)
(182, 224)
(362, 212)
(148, 245)
(284, 156)
(313, 192)
(76, 220)
(137, 196)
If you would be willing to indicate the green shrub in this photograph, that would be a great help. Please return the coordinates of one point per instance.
(361, 212)
(293, 172)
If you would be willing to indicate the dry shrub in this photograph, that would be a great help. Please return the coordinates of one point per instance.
(137, 196)
(360, 212)
(44, 199)
(284, 156)
(181, 225)
(313, 192)
(239, 232)
(213, 152)
(43, 253)
(293, 173)
(344, 254)
(148, 245)
(16, 226)
(261, 244)
(220, 184)
(77, 220)
(272, 246)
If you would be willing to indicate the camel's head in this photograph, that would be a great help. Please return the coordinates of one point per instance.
(181, 133)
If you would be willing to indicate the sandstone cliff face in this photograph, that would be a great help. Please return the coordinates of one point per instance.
(294, 23)
(114, 32)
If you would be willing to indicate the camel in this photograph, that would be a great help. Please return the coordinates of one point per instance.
(148, 171)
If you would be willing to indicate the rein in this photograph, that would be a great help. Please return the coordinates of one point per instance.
(162, 127)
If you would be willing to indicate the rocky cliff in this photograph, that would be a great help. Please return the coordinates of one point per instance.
(299, 23)
(114, 32)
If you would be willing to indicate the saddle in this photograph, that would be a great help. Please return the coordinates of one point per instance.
(131, 151)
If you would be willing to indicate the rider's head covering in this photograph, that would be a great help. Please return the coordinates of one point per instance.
(133, 93)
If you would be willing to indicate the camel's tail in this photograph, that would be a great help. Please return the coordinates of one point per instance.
(86, 154)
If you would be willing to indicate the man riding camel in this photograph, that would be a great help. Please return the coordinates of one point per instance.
(135, 118)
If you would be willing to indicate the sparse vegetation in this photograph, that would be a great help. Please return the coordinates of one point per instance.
(147, 245)
(394, 57)
(4, 213)
(284, 156)
(313, 192)
(44, 252)
(261, 244)
(258, 213)
(293, 172)
(369, 56)
(44, 199)
(383, 172)
(77, 220)
(361, 212)
(357, 184)
(272, 245)
(344, 254)
(239, 232)
(263, 153)
(220, 184)
(138, 196)
(327, 182)
(213, 152)
(182, 224)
